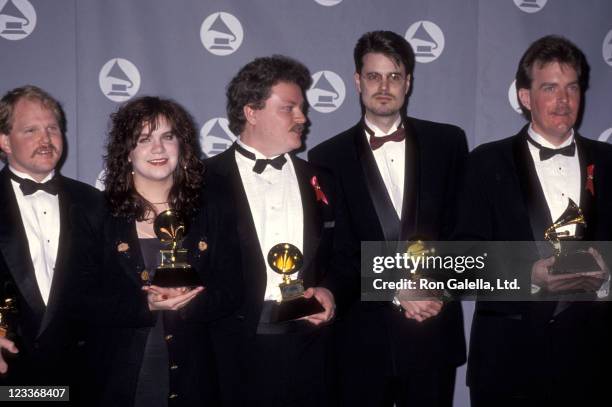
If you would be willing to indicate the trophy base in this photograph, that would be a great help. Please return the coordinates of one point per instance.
(177, 276)
(575, 262)
(295, 308)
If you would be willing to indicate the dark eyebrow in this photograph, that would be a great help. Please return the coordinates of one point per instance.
(380, 73)
(557, 84)
(290, 102)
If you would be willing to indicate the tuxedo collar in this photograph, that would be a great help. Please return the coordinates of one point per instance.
(538, 138)
(256, 153)
(412, 183)
(17, 254)
(376, 131)
(64, 243)
(28, 176)
(225, 165)
(531, 189)
(537, 208)
(312, 220)
(587, 200)
(15, 250)
(392, 226)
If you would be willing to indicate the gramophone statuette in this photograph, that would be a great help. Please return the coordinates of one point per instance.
(174, 269)
(286, 259)
(569, 260)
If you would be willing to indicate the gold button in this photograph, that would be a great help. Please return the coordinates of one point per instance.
(144, 275)
(169, 337)
(173, 367)
(173, 396)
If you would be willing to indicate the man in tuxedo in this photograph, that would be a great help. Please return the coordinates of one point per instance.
(35, 238)
(541, 352)
(277, 198)
(396, 180)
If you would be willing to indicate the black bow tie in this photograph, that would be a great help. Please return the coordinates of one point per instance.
(28, 187)
(261, 163)
(546, 153)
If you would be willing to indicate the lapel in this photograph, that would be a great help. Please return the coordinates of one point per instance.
(130, 261)
(226, 167)
(387, 216)
(531, 190)
(587, 203)
(412, 184)
(393, 227)
(311, 215)
(15, 250)
(539, 215)
(55, 295)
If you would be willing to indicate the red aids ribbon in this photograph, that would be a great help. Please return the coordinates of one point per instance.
(318, 191)
(590, 178)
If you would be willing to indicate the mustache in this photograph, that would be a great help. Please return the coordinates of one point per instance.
(387, 94)
(298, 128)
(44, 149)
(562, 110)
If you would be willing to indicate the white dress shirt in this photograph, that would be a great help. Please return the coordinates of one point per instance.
(390, 159)
(41, 220)
(559, 176)
(276, 206)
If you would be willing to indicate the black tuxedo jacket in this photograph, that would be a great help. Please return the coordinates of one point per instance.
(318, 231)
(234, 337)
(435, 155)
(113, 308)
(518, 347)
(43, 334)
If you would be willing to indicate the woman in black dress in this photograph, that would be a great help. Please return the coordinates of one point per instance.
(147, 345)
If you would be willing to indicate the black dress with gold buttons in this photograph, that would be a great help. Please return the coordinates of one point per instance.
(152, 389)
(124, 352)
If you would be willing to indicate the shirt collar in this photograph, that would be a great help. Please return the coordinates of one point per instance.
(258, 155)
(545, 143)
(378, 132)
(28, 176)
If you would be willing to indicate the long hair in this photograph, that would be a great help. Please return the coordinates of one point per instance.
(126, 126)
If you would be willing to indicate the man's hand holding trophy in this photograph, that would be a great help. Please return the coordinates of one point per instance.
(573, 266)
(286, 259)
(8, 308)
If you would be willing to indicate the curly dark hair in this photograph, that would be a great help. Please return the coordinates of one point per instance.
(253, 83)
(127, 124)
(551, 48)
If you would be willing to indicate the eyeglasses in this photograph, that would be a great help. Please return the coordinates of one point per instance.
(375, 78)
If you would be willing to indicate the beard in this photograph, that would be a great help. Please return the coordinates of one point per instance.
(382, 111)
